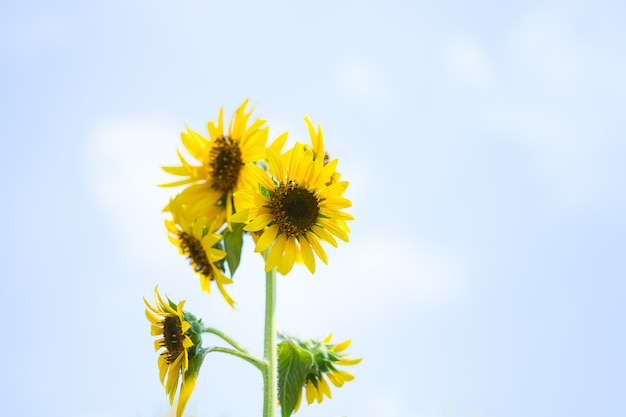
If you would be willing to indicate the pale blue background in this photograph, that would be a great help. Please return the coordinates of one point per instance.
(485, 145)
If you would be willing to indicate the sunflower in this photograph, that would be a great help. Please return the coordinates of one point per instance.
(222, 159)
(181, 342)
(196, 240)
(326, 358)
(295, 207)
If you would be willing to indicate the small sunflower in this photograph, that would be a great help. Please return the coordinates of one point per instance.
(222, 159)
(295, 207)
(196, 240)
(326, 358)
(181, 341)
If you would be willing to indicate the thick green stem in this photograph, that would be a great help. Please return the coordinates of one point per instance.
(270, 374)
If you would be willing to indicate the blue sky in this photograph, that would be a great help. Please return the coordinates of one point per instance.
(485, 148)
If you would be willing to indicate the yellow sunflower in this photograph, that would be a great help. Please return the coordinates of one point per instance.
(222, 159)
(195, 240)
(315, 386)
(295, 208)
(175, 326)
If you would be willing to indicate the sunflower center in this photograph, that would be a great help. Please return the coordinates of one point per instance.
(225, 164)
(295, 209)
(194, 251)
(173, 335)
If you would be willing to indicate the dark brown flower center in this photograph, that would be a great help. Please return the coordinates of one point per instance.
(173, 335)
(225, 164)
(295, 208)
(194, 251)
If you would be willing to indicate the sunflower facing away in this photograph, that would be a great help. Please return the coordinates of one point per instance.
(222, 159)
(295, 207)
(195, 240)
(182, 347)
(326, 359)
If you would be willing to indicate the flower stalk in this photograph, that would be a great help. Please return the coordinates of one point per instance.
(225, 338)
(270, 375)
(245, 356)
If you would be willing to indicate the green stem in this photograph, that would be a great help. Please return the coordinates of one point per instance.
(245, 356)
(270, 374)
(225, 338)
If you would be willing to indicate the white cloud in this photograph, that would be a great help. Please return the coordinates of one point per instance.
(550, 93)
(468, 61)
(558, 108)
(123, 168)
(29, 34)
(363, 82)
(373, 281)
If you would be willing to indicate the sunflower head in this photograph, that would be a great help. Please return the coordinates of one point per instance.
(321, 359)
(180, 343)
(196, 240)
(219, 171)
(296, 206)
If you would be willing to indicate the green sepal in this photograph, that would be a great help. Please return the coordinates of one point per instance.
(323, 357)
(195, 362)
(294, 364)
(233, 242)
(194, 333)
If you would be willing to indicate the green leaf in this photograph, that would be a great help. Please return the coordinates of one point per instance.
(233, 242)
(294, 365)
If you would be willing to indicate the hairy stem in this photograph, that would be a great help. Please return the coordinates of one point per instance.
(245, 356)
(270, 375)
(225, 338)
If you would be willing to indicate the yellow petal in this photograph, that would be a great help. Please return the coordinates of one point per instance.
(335, 379)
(278, 143)
(276, 165)
(186, 388)
(150, 316)
(341, 346)
(195, 144)
(311, 393)
(334, 229)
(319, 250)
(276, 253)
(187, 342)
(307, 255)
(334, 190)
(346, 361)
(289, 257)
(325, 175)
(346, 376)
(324, 235)
(159, 343)
(156, 330)
(297, 156)
(336, 203)
(261, 176)
(220, 286)
(266, 238)
(324, 388)
(259, 222)
(163, 367)
(216, 131)
(316, 141)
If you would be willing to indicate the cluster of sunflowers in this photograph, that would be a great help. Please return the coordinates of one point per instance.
(288, 201)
